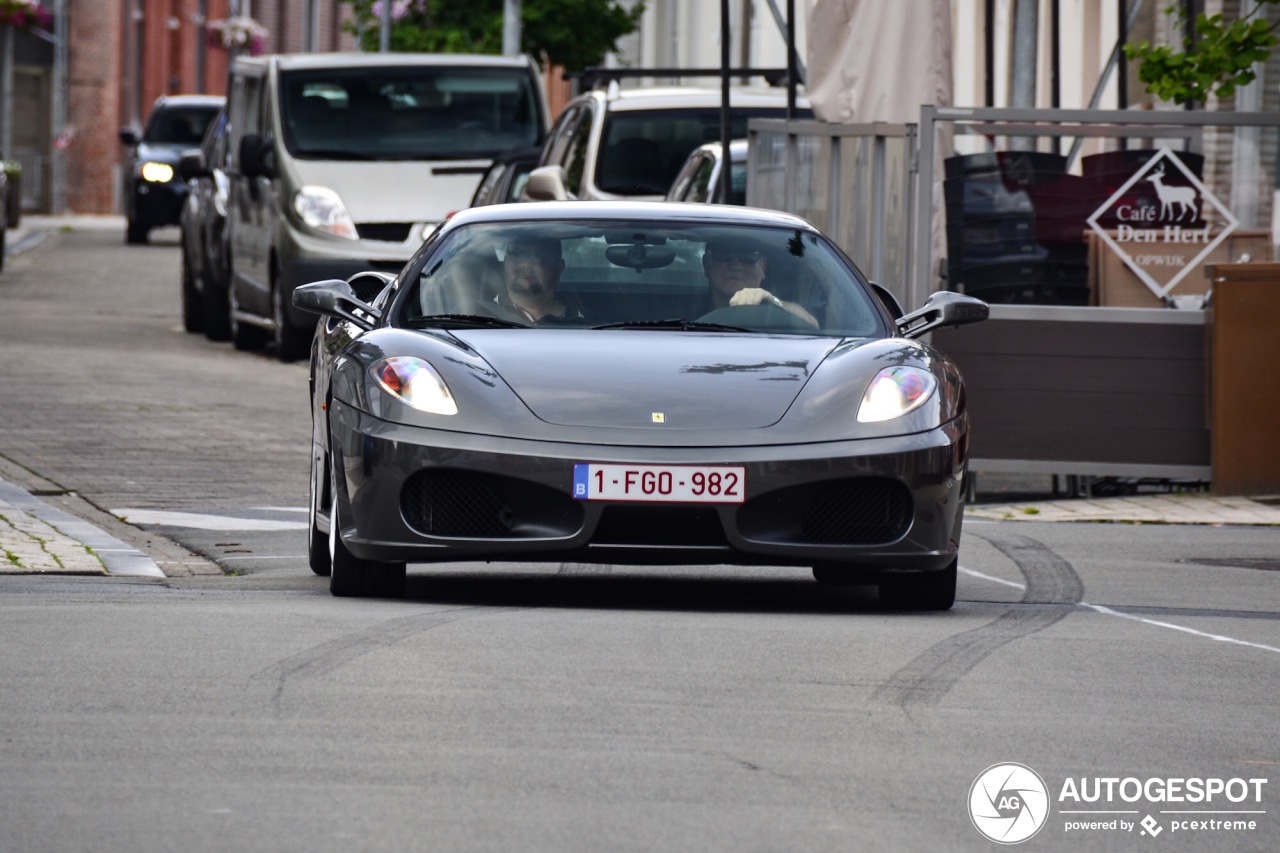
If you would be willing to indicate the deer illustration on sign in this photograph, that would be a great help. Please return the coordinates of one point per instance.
(1184, 198)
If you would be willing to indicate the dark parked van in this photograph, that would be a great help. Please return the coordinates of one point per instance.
(344, 162)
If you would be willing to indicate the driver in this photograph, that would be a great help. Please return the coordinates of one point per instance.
(735, 271)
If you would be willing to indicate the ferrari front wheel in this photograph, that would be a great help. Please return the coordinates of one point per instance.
(350, 576)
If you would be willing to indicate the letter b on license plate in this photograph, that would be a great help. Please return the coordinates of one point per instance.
(720, 484)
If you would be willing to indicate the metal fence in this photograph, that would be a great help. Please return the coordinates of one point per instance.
(852, 181)
(34, 181)
(1086, 369)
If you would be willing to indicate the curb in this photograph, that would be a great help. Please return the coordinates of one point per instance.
(117, 557)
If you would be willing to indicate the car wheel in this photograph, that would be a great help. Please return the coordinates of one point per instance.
(192, 316)
(351, 576)
(317, 541)
(217, 307)
(243, 335)
(291, 342)
(920, 590)
(135, 232)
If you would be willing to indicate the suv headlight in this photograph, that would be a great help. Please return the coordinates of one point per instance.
(156, 173)
(321, 208)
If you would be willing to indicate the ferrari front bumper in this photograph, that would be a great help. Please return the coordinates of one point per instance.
(408, 494)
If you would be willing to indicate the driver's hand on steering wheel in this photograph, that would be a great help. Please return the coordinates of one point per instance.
(760, 296)
(754, 296)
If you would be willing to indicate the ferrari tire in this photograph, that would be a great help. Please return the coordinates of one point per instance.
(920, 590)
(317, 542)
(353, 577)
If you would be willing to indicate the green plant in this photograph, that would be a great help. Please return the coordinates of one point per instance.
(1220, 57)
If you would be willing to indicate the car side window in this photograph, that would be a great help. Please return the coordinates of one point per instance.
(575, 161)
(701, 184)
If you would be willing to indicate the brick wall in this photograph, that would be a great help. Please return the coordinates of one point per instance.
(175, 58)
(95, 103)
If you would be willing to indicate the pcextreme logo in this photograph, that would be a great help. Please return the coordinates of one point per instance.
(1009, 803)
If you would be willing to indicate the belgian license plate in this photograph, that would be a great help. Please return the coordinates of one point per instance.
(720, 484)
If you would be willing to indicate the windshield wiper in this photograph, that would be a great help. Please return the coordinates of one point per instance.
(464, 321)
(674, 323)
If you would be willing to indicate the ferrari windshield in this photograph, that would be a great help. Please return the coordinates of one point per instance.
(639, 274)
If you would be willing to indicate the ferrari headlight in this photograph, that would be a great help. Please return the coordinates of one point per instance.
(156, 173)
(321, 208)
(415, 383)
(894, 392)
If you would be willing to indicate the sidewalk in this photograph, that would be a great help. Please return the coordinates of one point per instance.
(33, 229)
(36, 538)
(1172, 508)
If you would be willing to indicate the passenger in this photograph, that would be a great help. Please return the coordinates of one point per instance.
(531, 270)
(736, 271)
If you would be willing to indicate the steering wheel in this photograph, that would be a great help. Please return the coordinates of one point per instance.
(763, 317)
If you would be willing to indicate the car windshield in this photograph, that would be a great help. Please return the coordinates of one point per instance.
(179, 125)
(641, 274)
(408, 113)
(642, 151)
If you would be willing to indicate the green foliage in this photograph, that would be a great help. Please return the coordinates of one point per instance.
(1221, 57)
(570, 33)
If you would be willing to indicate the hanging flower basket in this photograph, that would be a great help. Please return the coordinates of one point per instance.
(236, 33)
(24, 15)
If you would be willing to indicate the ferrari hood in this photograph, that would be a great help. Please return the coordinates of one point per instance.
(652, 379)
(395, 191)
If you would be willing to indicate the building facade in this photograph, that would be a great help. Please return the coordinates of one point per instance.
(120, 55)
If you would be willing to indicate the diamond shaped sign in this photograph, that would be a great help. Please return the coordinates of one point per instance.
(1182, 198)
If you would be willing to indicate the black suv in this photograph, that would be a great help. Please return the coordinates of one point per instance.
(153, 191)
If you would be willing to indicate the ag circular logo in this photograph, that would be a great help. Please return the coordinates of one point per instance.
(1008, 803)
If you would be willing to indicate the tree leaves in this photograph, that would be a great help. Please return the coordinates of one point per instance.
(1219, 59)
(570, 33)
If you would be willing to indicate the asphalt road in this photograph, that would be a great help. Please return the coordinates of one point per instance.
(236, 705)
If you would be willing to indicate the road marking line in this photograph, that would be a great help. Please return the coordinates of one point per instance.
(1219, 637)
(993, 579)
(1109, 612)
(200, 521)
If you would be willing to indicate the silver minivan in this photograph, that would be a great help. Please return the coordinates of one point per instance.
(344, 162)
